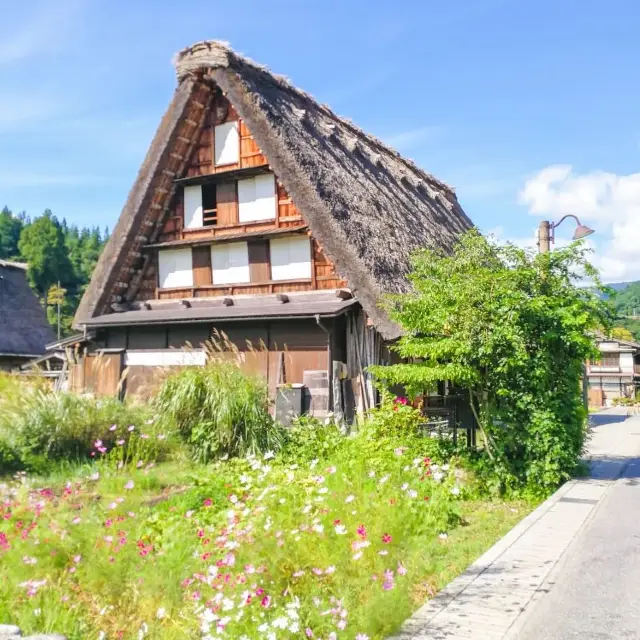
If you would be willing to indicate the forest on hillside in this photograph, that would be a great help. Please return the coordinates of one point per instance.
(61, 259)
(627, 305)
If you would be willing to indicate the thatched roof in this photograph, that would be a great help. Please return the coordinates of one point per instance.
(367, 205)
(24, 330)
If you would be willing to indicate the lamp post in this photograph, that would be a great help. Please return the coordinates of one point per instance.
(546, 236)
(546, 232)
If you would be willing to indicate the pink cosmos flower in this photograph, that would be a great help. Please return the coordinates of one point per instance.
(308, 633)
(76, 520)
(77, 559)
(97, 444)
(401, 570)
(144, 436)
(130, 428)
(362, 531)
(120, 442)
(129, 485)
(362, 636)
(113, 427)
(265, 602)
(386, 538)
(208, 502)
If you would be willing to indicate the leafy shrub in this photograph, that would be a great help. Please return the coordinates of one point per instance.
(47, 426)
(308, 438)
(513, 329)
(219, 410)
(9, 459)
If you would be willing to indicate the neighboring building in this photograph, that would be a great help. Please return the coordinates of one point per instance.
(24, 330)
(260, 213)
(616, 374)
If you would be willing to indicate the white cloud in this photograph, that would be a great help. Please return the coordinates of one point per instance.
(607, 201)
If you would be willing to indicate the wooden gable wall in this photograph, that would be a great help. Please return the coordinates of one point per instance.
(200, 162)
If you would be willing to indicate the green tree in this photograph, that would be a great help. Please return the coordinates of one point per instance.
(42, 245)
(621, 333)
(514, 330)
(10, 229)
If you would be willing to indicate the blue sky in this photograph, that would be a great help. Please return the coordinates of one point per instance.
(528, 108)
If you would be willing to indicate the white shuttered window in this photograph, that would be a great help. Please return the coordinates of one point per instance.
(226, 143)
(230, 263)
(193, 207)
(175, 268)
(257, 198)
(290, 258)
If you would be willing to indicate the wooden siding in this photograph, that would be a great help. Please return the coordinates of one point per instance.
(172, 227)
(280, 352)
(202, 274)
(259, 266)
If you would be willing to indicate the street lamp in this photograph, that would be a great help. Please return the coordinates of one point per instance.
(545, 237)
(546, 233)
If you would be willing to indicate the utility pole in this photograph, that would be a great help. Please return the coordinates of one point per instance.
(545, 238)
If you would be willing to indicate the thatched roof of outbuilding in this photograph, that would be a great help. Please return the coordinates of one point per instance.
(368, 206)
(24, 330)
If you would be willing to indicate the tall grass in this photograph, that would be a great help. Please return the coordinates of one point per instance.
(43, 427)
(219, 410)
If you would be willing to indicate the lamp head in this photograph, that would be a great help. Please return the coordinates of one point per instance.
(582, 231)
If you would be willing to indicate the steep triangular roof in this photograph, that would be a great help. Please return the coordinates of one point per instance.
(24, 330)
(368, 206)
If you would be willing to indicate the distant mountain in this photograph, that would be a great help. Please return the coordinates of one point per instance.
(619, 286)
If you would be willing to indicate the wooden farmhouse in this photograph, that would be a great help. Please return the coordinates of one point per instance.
(259, 213)
(24, 330)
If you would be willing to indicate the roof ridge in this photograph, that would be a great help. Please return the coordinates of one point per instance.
(220, 54)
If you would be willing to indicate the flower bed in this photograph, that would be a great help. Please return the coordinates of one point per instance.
(345, 547)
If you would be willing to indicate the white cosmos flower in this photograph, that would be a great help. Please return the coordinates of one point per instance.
(161, 613)
(349, 499)
(341, 529)
(455, 490)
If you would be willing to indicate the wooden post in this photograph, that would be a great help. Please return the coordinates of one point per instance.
(544, 237)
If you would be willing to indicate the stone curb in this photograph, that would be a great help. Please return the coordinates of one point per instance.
(443, 599)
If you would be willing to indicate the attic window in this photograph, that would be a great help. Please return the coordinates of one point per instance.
(257, 198)
(230, 263)
(209, 205)
(290, 258)
(226, 144)
(175, 268)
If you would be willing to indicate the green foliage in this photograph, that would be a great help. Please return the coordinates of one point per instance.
(42, 246)
(514, 329)
(43, 427)
(626, 301)
(309, 438)
(10, 229)
(621, 333)
(218, 410)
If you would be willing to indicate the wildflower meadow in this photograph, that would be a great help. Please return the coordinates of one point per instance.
(331, 536)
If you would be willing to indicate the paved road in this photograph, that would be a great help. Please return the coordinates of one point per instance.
(594, 592)
(570, 569)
